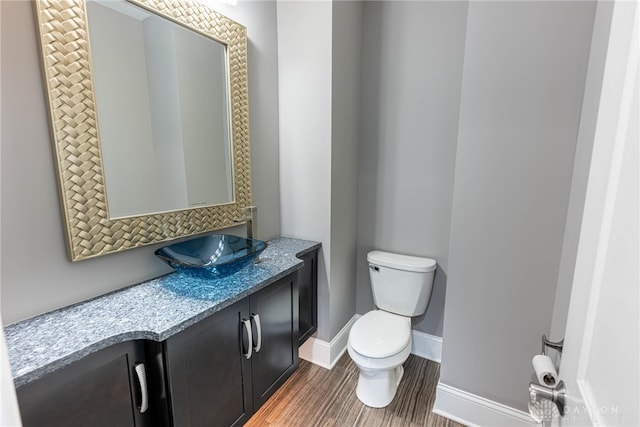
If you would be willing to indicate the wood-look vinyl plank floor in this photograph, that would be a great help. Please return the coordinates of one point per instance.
(314, 396)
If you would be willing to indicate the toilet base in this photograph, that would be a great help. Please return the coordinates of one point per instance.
(378, 388)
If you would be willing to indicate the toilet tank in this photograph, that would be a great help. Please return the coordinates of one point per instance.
(401, 284)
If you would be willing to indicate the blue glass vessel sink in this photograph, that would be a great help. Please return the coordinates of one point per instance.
(213, 256)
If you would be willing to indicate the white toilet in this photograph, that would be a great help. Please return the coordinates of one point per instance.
(380, 341)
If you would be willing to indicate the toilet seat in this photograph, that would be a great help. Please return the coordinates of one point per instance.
(371, 364)
(379, 334)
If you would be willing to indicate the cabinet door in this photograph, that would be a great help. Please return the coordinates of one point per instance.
(99, 390)
(208, 378)
(277, 358)
(308, 290)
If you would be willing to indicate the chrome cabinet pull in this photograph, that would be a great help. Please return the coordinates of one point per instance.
(256, 319)
(247, 327)
(142, 380)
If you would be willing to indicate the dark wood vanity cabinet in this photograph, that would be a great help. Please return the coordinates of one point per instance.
(102, 389)
(208, 379)
(277, 308)
(222, 369)
(217, 372)
(308, 290)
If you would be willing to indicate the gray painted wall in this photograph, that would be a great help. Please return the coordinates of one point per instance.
(304, 56)
(319, 66)
(523, 84)
(581, 166)
(36, 275)
(345, 101)
(518, 120)
(411, 80)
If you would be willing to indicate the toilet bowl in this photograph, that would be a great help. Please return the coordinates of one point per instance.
(380, 341)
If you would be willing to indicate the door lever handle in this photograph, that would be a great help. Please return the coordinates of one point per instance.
(539, 392)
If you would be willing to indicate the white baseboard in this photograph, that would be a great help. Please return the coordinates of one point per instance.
(455, 404)
(426, 346)
(326, 354)
(472, 410)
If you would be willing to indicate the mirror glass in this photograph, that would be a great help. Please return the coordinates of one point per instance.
(149, 116)
(161, 94)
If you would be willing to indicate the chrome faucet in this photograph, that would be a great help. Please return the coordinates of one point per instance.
(250, 220)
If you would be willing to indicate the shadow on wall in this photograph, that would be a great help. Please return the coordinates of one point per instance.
(369, 149)
(431, 321)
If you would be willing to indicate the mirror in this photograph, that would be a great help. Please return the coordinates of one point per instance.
(149, 116)
(162, 111)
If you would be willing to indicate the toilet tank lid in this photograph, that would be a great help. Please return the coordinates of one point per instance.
(401, 262)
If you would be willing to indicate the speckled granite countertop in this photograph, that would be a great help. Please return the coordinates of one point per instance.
(153, 310)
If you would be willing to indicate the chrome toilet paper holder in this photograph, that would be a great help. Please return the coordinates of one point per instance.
(551, 344)
(554, 394)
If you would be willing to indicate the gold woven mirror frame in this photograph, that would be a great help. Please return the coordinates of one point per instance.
(69, 81)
